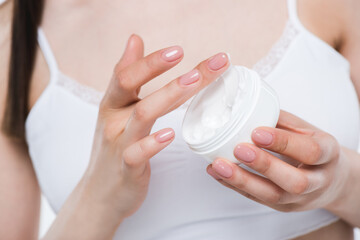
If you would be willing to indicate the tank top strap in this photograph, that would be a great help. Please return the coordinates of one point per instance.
(293, 15)
(48, 55)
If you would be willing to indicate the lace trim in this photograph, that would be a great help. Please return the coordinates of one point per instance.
(268, 63)
(264, 67)
(84, 92)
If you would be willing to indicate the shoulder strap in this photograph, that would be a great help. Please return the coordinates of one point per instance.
(48, 54)
(293, 14)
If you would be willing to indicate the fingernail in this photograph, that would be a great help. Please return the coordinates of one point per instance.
(172, 53)
(190, 77)
(222, 168)
(164, 135)
(262, 137)
(244, 153)
(212, 173)
(218, 61)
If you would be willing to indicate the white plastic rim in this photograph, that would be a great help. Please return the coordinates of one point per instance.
(264, 110)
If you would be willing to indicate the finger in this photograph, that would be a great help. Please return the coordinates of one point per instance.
(316, 149)
(291, 179)
(174, 94)
(293, 123)
(126, 82)
(286, 202)
(259, 188)
(212, 173)
(137, 154)
(134, 51)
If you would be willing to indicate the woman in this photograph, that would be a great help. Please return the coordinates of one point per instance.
(92, 144)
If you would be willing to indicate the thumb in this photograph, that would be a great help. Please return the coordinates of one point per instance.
(134, 50)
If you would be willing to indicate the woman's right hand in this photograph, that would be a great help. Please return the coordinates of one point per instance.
(118, 174)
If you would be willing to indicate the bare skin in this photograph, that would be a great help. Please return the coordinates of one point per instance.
(189, 24)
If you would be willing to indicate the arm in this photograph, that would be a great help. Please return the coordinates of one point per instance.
(348, 205)
(350, 46)
(19, 191)
(116, 181)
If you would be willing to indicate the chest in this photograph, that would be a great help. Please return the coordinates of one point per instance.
(91, 42)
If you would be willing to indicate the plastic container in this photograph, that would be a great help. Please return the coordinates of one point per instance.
(227, 111)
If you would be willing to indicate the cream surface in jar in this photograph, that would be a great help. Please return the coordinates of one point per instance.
(224, 113)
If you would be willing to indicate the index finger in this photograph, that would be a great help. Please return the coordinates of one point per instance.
(126, 82)
(293, 123)
(173, 94)
(315, 149)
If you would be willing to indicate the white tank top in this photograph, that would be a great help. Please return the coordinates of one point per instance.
(183, 201)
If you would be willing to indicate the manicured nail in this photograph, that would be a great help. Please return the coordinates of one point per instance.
(172, 53)
(212, 173)
(218, 61)
(262, 137)
(244, 153)
(222, 168)
(190, 77)
(164, 135)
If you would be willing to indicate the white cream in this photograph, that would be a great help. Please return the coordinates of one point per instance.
(219, 104)
(225, 113)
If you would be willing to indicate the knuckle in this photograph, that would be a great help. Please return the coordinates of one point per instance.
(284, 198)
(283, 144)
(300, 185)
(141, 112)
(287, 208)
(265, 165)
(144, 149)
(241, 181)
(274, 198)
(124, 81)
(109, 131)
(315, 152)
(151, 63)
(127, 158)
(174, 90)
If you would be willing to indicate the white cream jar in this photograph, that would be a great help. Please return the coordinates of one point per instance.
(227, 111)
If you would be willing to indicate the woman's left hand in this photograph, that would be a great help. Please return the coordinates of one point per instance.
(316, 182)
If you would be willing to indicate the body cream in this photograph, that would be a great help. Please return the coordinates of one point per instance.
(226, 112)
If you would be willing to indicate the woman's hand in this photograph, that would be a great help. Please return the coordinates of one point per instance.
(316, 181)
(116, 182)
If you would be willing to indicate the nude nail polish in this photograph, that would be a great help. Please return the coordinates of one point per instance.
(262, 137)
(218, 61)
(172, 53)
(222, 168)
(190, 77)
(164, 135)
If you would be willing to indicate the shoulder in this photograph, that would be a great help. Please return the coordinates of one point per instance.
(328, 19)
(5, 17)
(338, 23)
(5, 32)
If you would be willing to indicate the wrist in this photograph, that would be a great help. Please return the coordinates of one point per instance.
(83, 217)
(342, 188)
(97, 203)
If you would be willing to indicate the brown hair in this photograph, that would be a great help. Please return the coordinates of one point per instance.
(26, 18)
